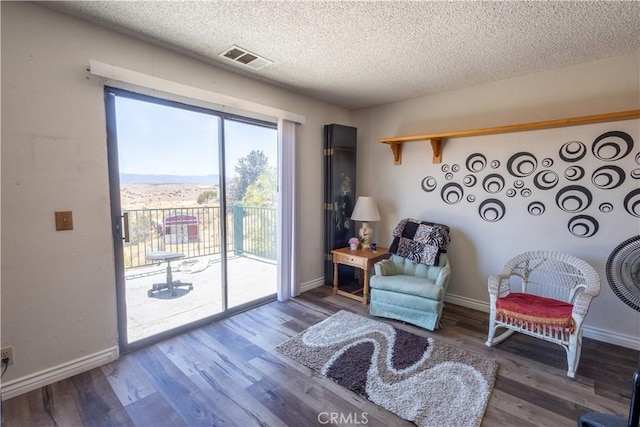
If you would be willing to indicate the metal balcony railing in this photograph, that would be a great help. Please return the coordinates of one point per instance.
(195, 232)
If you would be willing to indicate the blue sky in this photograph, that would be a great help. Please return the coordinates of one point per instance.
(159, 140)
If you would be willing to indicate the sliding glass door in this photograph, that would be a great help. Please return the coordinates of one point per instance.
(194, 205)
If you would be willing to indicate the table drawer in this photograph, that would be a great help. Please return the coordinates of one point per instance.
(351, 260)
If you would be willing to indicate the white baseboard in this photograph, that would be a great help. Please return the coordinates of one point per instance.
(57, 373)
(601, 335)
(315, 283)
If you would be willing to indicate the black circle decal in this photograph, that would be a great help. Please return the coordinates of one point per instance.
(574, 173)
(518, 183)
(605, 207)
(632, 202)
(574, 198)
(491, 210)
(455, 167)
(495, 164)
(536, 208)
(429, 184)
(635, 174)
(522, 164)
(493, 183)
(573, 151)
(608, 177)
(471, 198)
(546, 180)
(525, 192)
(476, 162)
(448, 176)
(452, 193)
(612, 146)
(638, 158)
(444, 168)
(583, 226)
(547, 163)
(511, 192)
(469, 180)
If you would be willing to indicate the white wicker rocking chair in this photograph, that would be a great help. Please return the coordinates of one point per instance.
(548, 299)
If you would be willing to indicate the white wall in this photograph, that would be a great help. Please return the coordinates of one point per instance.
(58, 288)
(478, 247)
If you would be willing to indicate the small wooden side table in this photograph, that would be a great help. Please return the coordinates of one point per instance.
(359, 258)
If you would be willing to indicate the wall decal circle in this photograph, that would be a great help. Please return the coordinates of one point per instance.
(547, 162)
(444, 168)
(493, 183)
(455, 167)
(495, 164)
(608, 177)
(491, 210)
(476, 162)
(632, 202)
(574, 198)
(522, 164)
(573, 151)
(612, 146)
(583, 226)
(546, 180)
(635, 174)
(471, 198)
(536, 208)
(448, 176)
(518, 183)
(638, 158)
(469, 180)
(574, 173)
(605, 207)
(511, 192)
(525, 192)
(452, 193)
(429, 183)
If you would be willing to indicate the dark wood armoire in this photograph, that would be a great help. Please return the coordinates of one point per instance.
(339, 195)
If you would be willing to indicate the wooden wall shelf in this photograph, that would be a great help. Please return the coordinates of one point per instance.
(437, 139)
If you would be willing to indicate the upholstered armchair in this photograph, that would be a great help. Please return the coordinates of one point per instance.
(408, 291)
(546, 295)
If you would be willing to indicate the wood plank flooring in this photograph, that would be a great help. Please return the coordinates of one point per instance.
(228, 373)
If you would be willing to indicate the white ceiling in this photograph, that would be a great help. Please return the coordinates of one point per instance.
(364, 53)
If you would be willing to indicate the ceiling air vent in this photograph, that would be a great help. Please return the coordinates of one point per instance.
(244, 57)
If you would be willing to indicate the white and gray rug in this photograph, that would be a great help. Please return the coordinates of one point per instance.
(417, 378)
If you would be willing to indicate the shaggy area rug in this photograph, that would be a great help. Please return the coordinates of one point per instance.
(417, 378)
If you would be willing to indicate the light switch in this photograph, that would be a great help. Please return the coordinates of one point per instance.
(64, 220)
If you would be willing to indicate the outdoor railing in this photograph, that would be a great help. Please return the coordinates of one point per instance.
(195, 232)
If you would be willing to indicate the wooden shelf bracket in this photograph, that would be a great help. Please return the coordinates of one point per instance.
(437, 139)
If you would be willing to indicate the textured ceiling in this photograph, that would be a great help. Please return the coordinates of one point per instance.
(360, 53)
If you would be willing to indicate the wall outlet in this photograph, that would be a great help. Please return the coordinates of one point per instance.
(7, 353)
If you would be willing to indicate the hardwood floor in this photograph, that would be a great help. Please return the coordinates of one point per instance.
(228, 373)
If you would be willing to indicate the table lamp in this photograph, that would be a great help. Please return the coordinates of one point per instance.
(365, 211)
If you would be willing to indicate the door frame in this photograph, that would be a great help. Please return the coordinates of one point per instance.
(110, 93)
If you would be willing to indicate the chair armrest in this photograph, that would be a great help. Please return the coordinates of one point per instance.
(581, 304)
(443, 277)
(386, 267)
(498, 284)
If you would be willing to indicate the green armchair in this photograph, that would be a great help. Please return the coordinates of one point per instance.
(414, 293)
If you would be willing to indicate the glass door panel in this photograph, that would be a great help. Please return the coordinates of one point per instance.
(251, 166)
(169, 183)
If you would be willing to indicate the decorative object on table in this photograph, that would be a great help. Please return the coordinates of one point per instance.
(550, 299)
(374, 246)
(353, 243)
(410, 286)
(365, 211)
(339, 194)
(417, 378)
(623, 275)
(420, 241)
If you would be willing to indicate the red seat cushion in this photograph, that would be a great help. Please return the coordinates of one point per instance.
(534, 313)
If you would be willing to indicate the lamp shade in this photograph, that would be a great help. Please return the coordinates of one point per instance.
(365, 210)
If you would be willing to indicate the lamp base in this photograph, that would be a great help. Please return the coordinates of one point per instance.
(366, 233)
